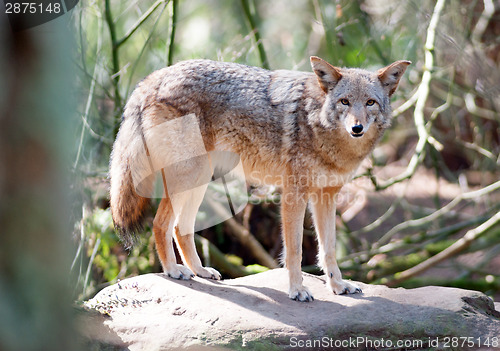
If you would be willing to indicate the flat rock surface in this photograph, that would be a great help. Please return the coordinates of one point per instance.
(153, 312)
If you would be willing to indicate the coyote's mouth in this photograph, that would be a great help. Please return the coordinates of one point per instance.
(357, 135)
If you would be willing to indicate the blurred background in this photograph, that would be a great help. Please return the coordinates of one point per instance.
(423, 208)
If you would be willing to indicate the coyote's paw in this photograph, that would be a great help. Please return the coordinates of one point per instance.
(207, 272)
(179, 271)
(300, 294)
(341, 287)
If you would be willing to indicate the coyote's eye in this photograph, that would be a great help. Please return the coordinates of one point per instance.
(370, 102)
(344, 102)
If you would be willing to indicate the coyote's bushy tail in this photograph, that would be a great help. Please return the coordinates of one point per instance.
(127, 206)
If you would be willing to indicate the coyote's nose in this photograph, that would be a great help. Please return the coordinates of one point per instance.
(357, 129)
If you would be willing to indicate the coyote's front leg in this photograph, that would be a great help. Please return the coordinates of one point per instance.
(293, 207)
(323, 207)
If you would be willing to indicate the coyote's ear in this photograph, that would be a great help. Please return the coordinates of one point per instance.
(328, 75)
(389, 76)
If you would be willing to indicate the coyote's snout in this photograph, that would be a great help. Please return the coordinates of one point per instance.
(356, 122)
(304, 132)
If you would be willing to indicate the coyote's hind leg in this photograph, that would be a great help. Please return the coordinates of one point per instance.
(184, 234)
(162, 229)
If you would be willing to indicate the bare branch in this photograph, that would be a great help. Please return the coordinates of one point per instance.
(115, 61)
(245, 237)
(422, 95)
(170, 58)
(253, 26)
(483, 21)
(137, 24)
(89, 97)
(218, 258)
(452, 250)
(427, 219)
(408, 103)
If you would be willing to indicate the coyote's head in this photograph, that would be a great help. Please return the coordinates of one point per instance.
(355, 98)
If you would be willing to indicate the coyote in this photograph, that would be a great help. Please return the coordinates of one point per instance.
(306, 132)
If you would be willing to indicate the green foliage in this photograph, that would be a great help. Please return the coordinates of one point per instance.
(109, 260)
(397, 263)
(255, 268)
(437, 247)
(489, 285)
(100, 227)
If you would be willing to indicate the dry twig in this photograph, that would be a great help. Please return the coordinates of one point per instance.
(452, 250)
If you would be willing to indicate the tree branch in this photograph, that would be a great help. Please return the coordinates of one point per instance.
(433, 216)
(139, 22)
(115, 62)
(452, 250)
(260, 47)
(170, 59)
(422, 96)
(218, 259)
(245, 237)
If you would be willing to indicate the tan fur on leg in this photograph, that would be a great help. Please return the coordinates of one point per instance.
(323, 208)
(293, 207)
(190, 256)
(162, 229)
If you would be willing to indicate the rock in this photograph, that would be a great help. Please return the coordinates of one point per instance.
(153, 312)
